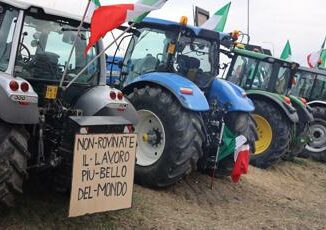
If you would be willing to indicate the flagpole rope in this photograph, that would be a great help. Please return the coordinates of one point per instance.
(99, 55)
(74, 44)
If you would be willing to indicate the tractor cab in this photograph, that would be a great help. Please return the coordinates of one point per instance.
(170, 47)
(310, 84)
(253, 70)
(268, 81)
(40, 52)
(44, 111)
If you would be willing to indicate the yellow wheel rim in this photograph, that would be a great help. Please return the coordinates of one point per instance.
(265, 134)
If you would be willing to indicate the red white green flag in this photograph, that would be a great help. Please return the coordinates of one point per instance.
(241, 165)
(107, 18)
(218, 20)
(318, 59)
(240, 149)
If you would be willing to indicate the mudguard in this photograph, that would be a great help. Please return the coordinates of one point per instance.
(97, 102)
(304, 112)
(17, 107)
(277, 100)
(317, 103)
(196, 101)
(228, 94)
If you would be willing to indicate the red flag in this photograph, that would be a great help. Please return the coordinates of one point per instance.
(241, 164)
(105, 19)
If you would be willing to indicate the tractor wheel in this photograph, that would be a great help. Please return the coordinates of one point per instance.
(274, 134)
(297, 148)
(316, 149)
(170, 138)
(240, 123)
(13, 162)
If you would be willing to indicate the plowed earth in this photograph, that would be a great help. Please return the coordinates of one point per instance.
(291, 195)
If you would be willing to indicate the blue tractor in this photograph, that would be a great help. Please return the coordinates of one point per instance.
(169, 74)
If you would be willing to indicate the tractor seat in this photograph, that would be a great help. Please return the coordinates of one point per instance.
(190, 67)
(45, 65)
(145, 65)
(186, 63)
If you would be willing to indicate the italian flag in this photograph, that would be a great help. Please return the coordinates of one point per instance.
(241, 165)
(318, 59)
(240, 150)
(287, 52)
(107, 18)
(94, 5)
(218, 20)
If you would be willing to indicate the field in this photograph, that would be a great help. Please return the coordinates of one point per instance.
(291, 195)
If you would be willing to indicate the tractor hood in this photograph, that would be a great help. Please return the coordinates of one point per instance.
(72, 9)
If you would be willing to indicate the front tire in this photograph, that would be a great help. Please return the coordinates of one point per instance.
(170, 138)
(13, 162)
(316, 149)
(274, 135)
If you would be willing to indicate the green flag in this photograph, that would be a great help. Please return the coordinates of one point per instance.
(322, 60)
(218, 20)
(287, 52)
(96, 3)
(147, 6)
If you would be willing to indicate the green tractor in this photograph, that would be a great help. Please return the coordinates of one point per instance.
(282, 120)
(311, 85)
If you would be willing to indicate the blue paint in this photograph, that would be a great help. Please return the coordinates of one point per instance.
(195, 29)
(226, 92)
(173, 82)
(116, 70)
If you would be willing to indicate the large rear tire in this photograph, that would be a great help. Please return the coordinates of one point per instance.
(13, 162)
(170, 138)
(274, 134)
(316, 149)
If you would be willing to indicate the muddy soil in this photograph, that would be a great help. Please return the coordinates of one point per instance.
(291, 195)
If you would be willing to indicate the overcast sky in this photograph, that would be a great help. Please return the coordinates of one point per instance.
(272, 22)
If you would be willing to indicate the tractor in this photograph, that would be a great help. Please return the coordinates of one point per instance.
(39, 119)
(311, 85)
(282, 120)
(169, 74)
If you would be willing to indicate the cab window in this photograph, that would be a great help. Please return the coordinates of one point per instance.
(45, 47)
(8, 18)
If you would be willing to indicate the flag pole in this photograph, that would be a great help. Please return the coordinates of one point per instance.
(248, 18)
(74, 44)
(99, 55)
(217, 152)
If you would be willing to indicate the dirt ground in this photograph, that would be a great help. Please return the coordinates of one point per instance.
(289, 196)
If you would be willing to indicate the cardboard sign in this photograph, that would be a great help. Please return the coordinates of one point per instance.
(103, 173)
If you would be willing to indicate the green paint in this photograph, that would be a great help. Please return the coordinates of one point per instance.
(96, 2)
(296, 100)
(149, 2)
(250, 54)
(275, 96)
